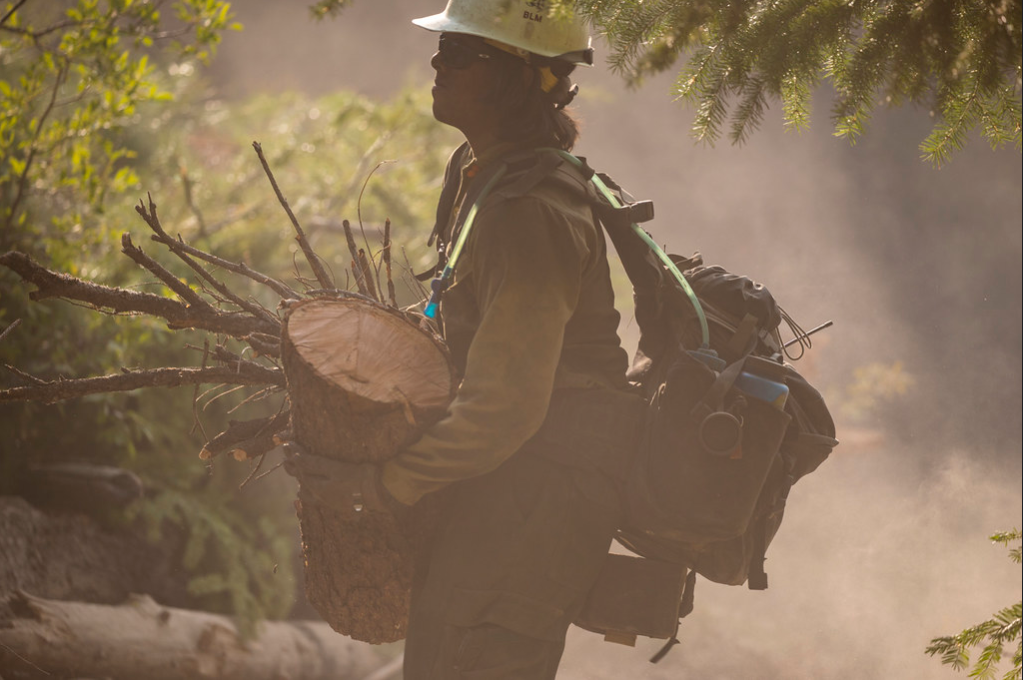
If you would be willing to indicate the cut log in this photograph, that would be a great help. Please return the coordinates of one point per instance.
(141, 639)
(363, 380)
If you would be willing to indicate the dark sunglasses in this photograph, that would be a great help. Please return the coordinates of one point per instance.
(458, 54)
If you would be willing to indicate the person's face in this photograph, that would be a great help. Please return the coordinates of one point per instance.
(465, 70)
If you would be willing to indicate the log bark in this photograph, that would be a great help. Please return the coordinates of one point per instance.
(141, 639)
(363, 380)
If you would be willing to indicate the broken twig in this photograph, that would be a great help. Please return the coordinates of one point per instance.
(303, 242)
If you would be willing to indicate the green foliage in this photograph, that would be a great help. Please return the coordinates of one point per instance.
(995, 633)
(340, 156)
(240, 563)
(960, 58)
(75, 76)
(323, 9)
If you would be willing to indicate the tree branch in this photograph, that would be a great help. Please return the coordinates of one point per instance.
(357, 271)
(57, 390)
(175, 246)
(153, 220)
(387, 264)
(56, 285)
(14, 324)
(253, 437)
(303, 242)
(11, 11)
(23, 179)
(263, 344)
(183, 291)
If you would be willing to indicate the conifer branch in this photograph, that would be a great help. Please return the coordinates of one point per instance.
(875, 53)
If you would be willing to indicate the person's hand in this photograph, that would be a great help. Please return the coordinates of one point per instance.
(350, 489)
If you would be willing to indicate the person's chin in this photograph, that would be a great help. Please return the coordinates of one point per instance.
(438, 112)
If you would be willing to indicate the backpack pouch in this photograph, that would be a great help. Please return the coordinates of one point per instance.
(692, 483)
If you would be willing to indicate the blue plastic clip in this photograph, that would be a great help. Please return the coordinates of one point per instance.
(439, 285)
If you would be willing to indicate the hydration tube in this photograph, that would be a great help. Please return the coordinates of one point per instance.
(661, 255)
(440, 283)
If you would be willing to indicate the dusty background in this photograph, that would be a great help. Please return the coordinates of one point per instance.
(885, 547)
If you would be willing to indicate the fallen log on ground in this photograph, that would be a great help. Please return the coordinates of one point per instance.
(141, 639)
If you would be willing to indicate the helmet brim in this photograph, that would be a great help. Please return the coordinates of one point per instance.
(438, 23)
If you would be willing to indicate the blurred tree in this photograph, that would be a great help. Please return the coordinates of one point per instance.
(960, 58)
(75, 74)
(322, 9)
(1001, 629)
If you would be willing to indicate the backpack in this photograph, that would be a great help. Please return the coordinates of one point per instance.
(730, 427)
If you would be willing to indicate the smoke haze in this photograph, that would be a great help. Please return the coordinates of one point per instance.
(885, 546)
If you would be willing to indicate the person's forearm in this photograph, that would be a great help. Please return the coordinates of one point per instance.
(501, 403)
(526, 274)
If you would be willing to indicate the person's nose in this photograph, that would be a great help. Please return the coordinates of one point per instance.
(436, 62)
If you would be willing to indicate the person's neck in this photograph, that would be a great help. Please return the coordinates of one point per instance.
(483, 144)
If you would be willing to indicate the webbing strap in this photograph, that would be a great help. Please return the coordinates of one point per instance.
(645, 237)
(633, 213)
(440, 283)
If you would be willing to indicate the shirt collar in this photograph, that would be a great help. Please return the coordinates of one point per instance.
(473, 162)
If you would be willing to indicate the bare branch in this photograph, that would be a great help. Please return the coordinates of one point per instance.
(24, 376)
(58, 390)
(264, 344)
(303, 242)
(174, 283)
(249, 435)
(118, 300)
(153, 220)
(14, 324)
(255, 396)
(360, 276)
(223, 393)
(186, 183)
(255, 468)
(264, 474)
(410, 273)
(387, 264)
(235, 362)
(176, 246)
(11, 11)
(367, 269)
(362, 228)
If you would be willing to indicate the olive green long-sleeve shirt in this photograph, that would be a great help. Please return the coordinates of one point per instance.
(530, 310)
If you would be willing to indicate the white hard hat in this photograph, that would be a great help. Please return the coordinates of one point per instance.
(524, 24)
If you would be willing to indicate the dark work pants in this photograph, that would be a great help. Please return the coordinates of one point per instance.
(513, 561)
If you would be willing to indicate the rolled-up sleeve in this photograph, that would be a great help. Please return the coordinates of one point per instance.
(525, 269)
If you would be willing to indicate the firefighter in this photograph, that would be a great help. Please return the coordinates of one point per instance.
(531, 450)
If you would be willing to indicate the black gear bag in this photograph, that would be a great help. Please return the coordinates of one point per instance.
(731, 426)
